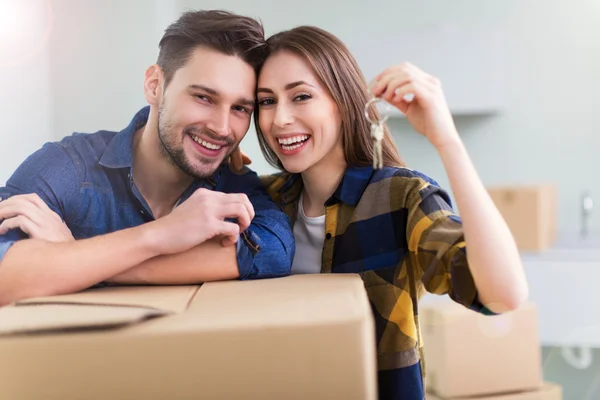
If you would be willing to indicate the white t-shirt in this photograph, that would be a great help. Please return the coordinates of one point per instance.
(309, 234)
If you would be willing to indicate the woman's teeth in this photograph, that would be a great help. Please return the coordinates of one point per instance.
(204, 143)
(292, 143)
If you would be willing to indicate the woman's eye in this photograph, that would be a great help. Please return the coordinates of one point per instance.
(302, 97)
(266, 102)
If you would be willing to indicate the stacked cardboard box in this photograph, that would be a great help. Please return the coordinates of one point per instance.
(299, 337)
(530, 212)
(483, 357)
(550, 391)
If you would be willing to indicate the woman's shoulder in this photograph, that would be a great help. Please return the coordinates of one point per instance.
(410, 187)
(405, 185)
(279, 183)
(402, 175)
(274, 181)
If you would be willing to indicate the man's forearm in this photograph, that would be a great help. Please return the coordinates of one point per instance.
(209, 261)
(33, 268)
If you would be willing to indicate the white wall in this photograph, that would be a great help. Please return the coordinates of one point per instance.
(25, 102)
(86, 72)
(99, 50)
(549, 130)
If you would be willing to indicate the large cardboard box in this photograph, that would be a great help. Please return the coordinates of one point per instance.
(299, 337)
(530, 212)
(550, 391)
(471, 354)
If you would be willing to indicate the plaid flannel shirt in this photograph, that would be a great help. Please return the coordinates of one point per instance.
(396, 228)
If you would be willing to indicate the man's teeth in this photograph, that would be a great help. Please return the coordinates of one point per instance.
(291, 140)
(204, 143)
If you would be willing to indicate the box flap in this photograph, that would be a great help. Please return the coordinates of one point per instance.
(549, 391)
(444, 311)
(93, 309)
(53, 318)
(165, 298)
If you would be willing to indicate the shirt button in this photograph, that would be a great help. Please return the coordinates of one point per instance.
(328, 236)
(142, 212)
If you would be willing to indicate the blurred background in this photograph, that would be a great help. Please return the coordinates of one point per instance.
(522, 78)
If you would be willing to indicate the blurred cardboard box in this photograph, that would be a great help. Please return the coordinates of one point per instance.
(550, 391)
(530, 212)
(299, 337)
(471, 354)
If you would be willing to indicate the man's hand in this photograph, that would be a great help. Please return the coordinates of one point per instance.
(205, 215)
(29, 213)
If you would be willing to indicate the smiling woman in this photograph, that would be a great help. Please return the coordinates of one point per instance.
(394, 226)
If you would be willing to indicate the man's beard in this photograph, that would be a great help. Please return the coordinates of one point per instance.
(175, 154)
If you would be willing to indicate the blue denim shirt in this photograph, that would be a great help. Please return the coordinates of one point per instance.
(87, 180)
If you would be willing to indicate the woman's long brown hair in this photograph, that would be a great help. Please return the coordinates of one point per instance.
(335, 66)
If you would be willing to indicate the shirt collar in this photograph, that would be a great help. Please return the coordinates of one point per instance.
(352, 186)
(119, 152)
(349, 191)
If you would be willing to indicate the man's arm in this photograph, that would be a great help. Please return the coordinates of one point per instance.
(265, 249)
(34, 267)
(210, 261)
(33, 261)
(31, 267)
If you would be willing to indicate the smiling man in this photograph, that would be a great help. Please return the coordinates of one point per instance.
(156, 202)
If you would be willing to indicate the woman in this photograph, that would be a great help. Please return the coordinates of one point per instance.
(394, 226)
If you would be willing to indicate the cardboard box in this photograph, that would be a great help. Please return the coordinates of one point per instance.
(471, 354)
(530, 212)
(299, 337)
(550, 391)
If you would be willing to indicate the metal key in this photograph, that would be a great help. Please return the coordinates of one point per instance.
(377, 133)
(377, 136)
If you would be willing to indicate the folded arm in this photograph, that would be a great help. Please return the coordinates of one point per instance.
(264, 250)
(209, 261)
(175, 248)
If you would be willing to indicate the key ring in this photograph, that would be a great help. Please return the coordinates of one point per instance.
(385, 116)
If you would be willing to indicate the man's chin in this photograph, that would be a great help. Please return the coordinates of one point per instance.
(206, 169)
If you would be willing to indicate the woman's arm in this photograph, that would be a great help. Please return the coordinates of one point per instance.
(492, 254)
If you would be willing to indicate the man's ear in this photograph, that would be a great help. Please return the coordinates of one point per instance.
(153, 83)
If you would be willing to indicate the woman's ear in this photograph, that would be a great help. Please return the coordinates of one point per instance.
(153, 79)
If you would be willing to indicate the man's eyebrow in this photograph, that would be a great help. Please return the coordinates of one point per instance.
(242, 100)
(247, 102)
(205, 88)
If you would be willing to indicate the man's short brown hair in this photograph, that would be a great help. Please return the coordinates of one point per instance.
(220, 30)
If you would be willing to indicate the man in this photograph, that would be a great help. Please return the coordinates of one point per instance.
(156, 202)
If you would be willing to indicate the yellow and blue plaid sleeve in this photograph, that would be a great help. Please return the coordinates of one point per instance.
(436, 244)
